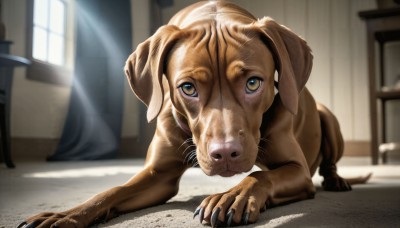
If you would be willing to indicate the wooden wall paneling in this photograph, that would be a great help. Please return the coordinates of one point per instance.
(319, 36)
(296, 16)
(166, 13)
(341, 65)
(271, 8)
(392, 77)
(361, 125)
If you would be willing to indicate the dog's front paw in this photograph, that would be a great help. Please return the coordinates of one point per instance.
(240, 205)
(50, 219)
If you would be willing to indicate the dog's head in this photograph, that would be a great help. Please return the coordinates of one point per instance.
(221, 79)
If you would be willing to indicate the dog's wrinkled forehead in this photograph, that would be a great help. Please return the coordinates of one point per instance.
(216, 43)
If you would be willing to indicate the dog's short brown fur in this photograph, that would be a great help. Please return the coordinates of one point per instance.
(208, 78)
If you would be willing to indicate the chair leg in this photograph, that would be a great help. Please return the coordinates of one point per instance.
(5, 138)
(7, 154)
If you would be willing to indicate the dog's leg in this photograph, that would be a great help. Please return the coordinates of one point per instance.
(332, 147)
(242, 204)
(154, 185)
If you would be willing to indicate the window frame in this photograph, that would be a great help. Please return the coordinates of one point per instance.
(44, 71)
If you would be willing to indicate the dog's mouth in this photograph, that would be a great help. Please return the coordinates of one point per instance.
(225, 170)
(228, 173)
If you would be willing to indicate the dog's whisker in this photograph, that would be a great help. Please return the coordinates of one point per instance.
(186, 157)
(190, 157)
(187, 141)
(190, 145)
(193, 155)
(194, 161)
(265, 140)
(260, 153)
(195, 164)
(188, 148)
(260, 149)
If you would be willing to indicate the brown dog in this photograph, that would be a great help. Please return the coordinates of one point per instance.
(208, 78)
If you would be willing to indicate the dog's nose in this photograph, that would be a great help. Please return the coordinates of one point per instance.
(225, 151)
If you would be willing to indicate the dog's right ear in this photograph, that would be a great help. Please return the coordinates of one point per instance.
(145, 67)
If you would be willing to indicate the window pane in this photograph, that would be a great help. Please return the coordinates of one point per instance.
(39, 43)
(40, 13)
(57, 16)
(56, 49)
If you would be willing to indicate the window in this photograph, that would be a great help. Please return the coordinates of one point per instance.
(49, 31)
(50, 44)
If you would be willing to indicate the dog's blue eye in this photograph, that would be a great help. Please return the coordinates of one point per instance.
(253, 84)
(188, 89)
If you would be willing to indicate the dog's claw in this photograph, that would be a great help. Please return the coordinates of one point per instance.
(245, 218)
(30, 225)
(201, 214)
(196, 212)
(22, 224)
(348, 186)
(214, 217)
(230, 215)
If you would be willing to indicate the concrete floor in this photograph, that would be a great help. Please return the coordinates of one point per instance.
(35, 187)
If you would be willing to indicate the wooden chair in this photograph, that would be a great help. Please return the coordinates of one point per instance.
(7, 64)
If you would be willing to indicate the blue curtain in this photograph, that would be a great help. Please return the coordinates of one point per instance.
(103, 42)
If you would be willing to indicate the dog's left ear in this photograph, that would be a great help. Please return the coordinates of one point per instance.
(293, 59)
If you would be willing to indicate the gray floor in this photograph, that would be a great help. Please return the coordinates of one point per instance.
(39, 186)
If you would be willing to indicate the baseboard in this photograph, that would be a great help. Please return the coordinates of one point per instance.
(130, 147)
(357, 148)
(40, 148)
(32, 148)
